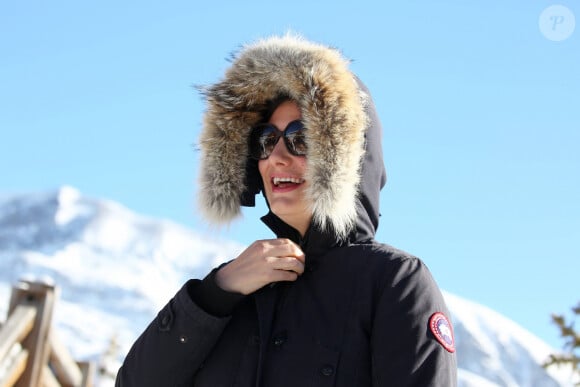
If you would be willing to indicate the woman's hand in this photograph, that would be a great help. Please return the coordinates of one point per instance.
(263, 262)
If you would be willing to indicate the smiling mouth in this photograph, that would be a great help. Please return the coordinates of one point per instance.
(284, 181)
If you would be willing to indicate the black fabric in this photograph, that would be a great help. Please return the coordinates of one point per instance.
(253, 184)
(211, 298)
(358, 316)
(374, 175)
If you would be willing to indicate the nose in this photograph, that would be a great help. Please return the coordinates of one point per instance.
(280, 153)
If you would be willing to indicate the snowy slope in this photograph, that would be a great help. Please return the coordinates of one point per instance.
(115, 269)
(495, 351)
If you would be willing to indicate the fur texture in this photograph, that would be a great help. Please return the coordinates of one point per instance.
(333, 109)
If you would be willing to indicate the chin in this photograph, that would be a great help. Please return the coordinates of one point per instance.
(282, 207)
(291, 216)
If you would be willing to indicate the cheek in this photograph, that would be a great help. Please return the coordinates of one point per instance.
(262, 168)
(302, 165)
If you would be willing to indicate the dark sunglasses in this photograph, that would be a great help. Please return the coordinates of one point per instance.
(264, 138)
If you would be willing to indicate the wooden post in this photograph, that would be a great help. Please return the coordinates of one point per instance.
(12, 356)
(14, 368)
(42, 297)
(18, 325)
(64, 367)
(88, 370)
(48, 378)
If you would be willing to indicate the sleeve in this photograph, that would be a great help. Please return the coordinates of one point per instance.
(176, 343)
(412, 337)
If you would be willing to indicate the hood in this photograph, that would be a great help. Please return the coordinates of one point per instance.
(342, 133)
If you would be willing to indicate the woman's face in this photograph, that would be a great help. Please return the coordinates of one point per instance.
(283, 175)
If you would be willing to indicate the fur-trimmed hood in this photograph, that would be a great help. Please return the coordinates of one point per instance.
(335, 109)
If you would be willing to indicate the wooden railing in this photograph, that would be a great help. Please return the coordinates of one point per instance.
(30, 353)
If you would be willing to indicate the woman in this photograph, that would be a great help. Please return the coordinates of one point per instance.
(322, 304)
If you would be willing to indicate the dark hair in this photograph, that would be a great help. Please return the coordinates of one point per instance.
(273, 104)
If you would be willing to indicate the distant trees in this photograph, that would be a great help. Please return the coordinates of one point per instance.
(571, 336)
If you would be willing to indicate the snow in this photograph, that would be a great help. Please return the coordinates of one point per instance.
(496, 348)
(68, 199)
(115, 269)
(469, 379)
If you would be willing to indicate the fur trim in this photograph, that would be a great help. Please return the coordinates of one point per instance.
(332, 107)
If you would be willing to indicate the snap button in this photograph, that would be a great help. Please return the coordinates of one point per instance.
(279, 339)
(327, 370)
(183, 339)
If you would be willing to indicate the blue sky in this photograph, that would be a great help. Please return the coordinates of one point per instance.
(479, 109)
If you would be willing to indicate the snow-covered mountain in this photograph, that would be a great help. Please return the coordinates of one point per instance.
(115, 269)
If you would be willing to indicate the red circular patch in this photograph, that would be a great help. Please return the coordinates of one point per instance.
(442, 330)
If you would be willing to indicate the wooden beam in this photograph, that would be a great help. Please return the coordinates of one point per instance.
(40, 296)
(48, 378)
(15, 368)
(88, 370)
(18, 325)
(65, 368)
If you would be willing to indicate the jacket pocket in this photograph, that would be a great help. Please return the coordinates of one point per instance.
(294, 360)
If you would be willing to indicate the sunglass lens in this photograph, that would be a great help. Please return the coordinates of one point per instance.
(295, 138)
(268, 141)
(262, 141)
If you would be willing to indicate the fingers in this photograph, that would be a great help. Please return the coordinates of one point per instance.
(263, 262)
(283, 276)
(281, 247)
(286, 263)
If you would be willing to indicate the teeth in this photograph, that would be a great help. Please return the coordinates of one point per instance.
(278, 180)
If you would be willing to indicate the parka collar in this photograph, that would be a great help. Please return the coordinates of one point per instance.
(314, 243)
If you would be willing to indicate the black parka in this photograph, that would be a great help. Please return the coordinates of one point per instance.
(358, 316)
(362, 314)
